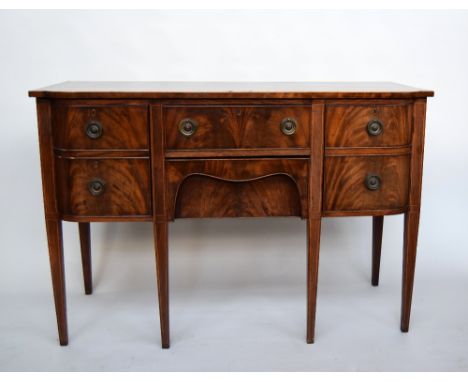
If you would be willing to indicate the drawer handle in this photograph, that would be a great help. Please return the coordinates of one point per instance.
(375, 127)
(373, 182)
(288, 126)
(96, 187)
(94, 130)
(187, 127)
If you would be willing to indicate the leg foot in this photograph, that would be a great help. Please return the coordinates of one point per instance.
(85, 243)
(54, 238)
(313, 247)
(409, 263)
(161, 236)
(377, 230)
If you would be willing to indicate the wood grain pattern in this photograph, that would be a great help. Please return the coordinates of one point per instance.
(127, 187)
(123, 126)
(227, 127)
(202, 196)
(238, 170)
(346, 125)
(345, 188)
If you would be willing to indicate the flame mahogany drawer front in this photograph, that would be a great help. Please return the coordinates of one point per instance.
(238, 126)
(356, 183)
(163, 151)
(104, 187)
(101, 126)
(367, 124)
(237, 187)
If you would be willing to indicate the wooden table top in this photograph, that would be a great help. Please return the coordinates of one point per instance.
(297, 90)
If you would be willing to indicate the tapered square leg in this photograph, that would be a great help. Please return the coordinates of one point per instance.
(85, 244)
(410, 242)
(377, 231)
(162, 269)
(313, 248)
(55, 242)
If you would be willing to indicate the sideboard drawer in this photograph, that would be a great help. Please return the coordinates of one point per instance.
(367, 125)
(100, 126)
(200, 188)
(104, 187)
(363, 183)
(227, 127)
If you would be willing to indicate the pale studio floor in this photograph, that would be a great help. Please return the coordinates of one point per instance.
(237, 301)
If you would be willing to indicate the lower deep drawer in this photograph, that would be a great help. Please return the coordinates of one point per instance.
(104, 187)
(199, 188)
(364, 183)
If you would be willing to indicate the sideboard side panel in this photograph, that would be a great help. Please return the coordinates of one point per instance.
(417, 153)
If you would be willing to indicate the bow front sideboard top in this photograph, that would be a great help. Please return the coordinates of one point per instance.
(159, 151)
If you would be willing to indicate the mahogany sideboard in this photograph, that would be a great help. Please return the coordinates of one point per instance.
(159, 151)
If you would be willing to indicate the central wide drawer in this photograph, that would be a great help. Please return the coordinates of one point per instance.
(199, 188)
(190, 127)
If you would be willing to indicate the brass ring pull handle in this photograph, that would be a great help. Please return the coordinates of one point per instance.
(375, 127)
(373, 182)
(94, 130)
(187, 127)
(96, 187)
(288, 126)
